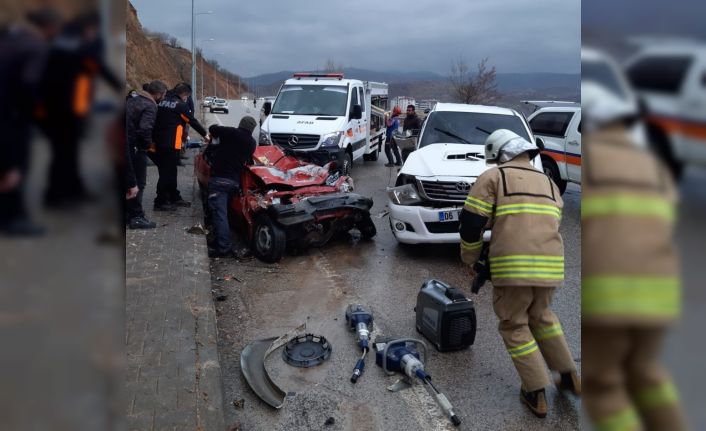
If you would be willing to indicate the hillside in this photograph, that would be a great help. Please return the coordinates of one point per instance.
(150, 58)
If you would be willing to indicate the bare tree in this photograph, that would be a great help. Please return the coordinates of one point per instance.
(473, 88)
(331, 66)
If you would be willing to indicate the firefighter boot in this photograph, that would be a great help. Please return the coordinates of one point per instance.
(569, 382)
(536, 401)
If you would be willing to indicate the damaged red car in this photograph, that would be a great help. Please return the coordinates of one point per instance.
(287, 203)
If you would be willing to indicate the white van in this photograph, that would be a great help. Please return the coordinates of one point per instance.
(324, 117)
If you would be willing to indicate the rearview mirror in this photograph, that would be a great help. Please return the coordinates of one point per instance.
(540, 143)
(356, 112)
(267, 107)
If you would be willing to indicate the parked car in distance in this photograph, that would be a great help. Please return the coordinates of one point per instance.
(559, 126)
(207, 101)
(219, 105)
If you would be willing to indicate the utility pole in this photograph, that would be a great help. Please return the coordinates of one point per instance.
(193, 52)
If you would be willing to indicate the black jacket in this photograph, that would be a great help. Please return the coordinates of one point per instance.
(231, 152)
(140, 117)
(411, 122)
(172, 116)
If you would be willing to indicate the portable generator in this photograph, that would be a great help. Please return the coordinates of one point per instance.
(445, 316)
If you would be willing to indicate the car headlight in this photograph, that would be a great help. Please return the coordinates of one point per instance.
(331, 140)
(404, 195)
(264, 139)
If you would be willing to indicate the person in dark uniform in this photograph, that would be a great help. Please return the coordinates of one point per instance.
(74, 61)
(22, 55)
(231, 149)
(140, 116)
(173, 115)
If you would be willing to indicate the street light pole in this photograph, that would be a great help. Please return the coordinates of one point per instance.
(193, 50)
(205, 40)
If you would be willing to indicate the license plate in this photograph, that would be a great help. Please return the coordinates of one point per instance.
(448, 216)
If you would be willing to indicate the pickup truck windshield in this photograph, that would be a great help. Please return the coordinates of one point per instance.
(312, 100)
(467, 127)
(603, 74)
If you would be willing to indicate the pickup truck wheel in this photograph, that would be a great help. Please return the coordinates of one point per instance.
(210, 110)
(367, 228)
(347, 164)
(269, 240)
(552, 171)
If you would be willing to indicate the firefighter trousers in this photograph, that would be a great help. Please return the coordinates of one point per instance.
(532, 333)
(624, 385)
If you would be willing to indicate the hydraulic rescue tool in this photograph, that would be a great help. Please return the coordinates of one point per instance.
(482, 269)
(403, 356)
(360, 319)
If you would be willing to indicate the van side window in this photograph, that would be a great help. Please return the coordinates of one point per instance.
(354, 101)
(662, 74)
(551, 123)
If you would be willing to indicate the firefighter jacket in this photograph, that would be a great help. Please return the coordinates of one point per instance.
(629, 265)
(173, 115)
(522, 206)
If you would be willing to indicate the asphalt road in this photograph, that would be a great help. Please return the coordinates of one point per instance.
(259, 300)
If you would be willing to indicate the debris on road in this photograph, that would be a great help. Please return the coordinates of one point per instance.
(239, 404)
(197, 229)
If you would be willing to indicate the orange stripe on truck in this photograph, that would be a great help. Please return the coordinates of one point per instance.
(563, 157)
(687, 128)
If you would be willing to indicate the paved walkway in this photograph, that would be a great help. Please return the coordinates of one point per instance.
(173, 376)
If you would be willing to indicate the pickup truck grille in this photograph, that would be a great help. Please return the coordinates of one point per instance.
(303, 141)
(447, 191)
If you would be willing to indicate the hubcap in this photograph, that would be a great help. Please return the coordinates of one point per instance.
(264, 238)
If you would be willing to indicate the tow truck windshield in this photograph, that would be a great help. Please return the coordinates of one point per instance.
(327, 100)
(468, 127)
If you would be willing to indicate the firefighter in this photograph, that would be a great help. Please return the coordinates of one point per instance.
(523, 208)
(630, 283)
(173, 115)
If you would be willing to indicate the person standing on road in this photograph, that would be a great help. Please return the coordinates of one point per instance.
(140, 116)
(173, 115)
(231, 149)
(411, 121)
(630, 292)
(393, 123)
(526, 255)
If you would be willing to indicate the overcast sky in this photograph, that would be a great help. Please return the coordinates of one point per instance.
(267, 36)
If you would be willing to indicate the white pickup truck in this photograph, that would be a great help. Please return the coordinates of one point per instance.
(670, 77)
(559, 126)
(431, 187)
(324, 117)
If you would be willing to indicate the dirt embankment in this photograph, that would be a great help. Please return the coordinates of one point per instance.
(149, 58)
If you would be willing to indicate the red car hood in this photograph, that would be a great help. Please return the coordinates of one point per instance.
(275, 167)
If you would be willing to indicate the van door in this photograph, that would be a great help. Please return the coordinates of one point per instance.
(573, 149)
(354, 125)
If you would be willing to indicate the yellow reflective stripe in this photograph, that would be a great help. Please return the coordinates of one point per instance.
(477, 203)
(471, 245)
(526, 263)
(548, 332)
(656, 396)
(529, 275)
(529, 205)
(594, 206)
(528, 211)
(523, 350)
(631, 295)
(624, 420)
(527, 257)
(527, 269)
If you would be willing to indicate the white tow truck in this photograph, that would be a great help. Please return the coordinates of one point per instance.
(322, 117)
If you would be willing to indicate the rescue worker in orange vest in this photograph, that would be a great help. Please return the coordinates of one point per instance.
(523, 207)
(630, 272)
(173, 115)
(74, 61)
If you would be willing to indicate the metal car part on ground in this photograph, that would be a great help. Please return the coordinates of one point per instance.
(305, 351)
(288, 203)
(252, 364)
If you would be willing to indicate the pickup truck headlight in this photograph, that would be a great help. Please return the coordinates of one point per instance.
(331, 140)
(264, 139)
(404, 195)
